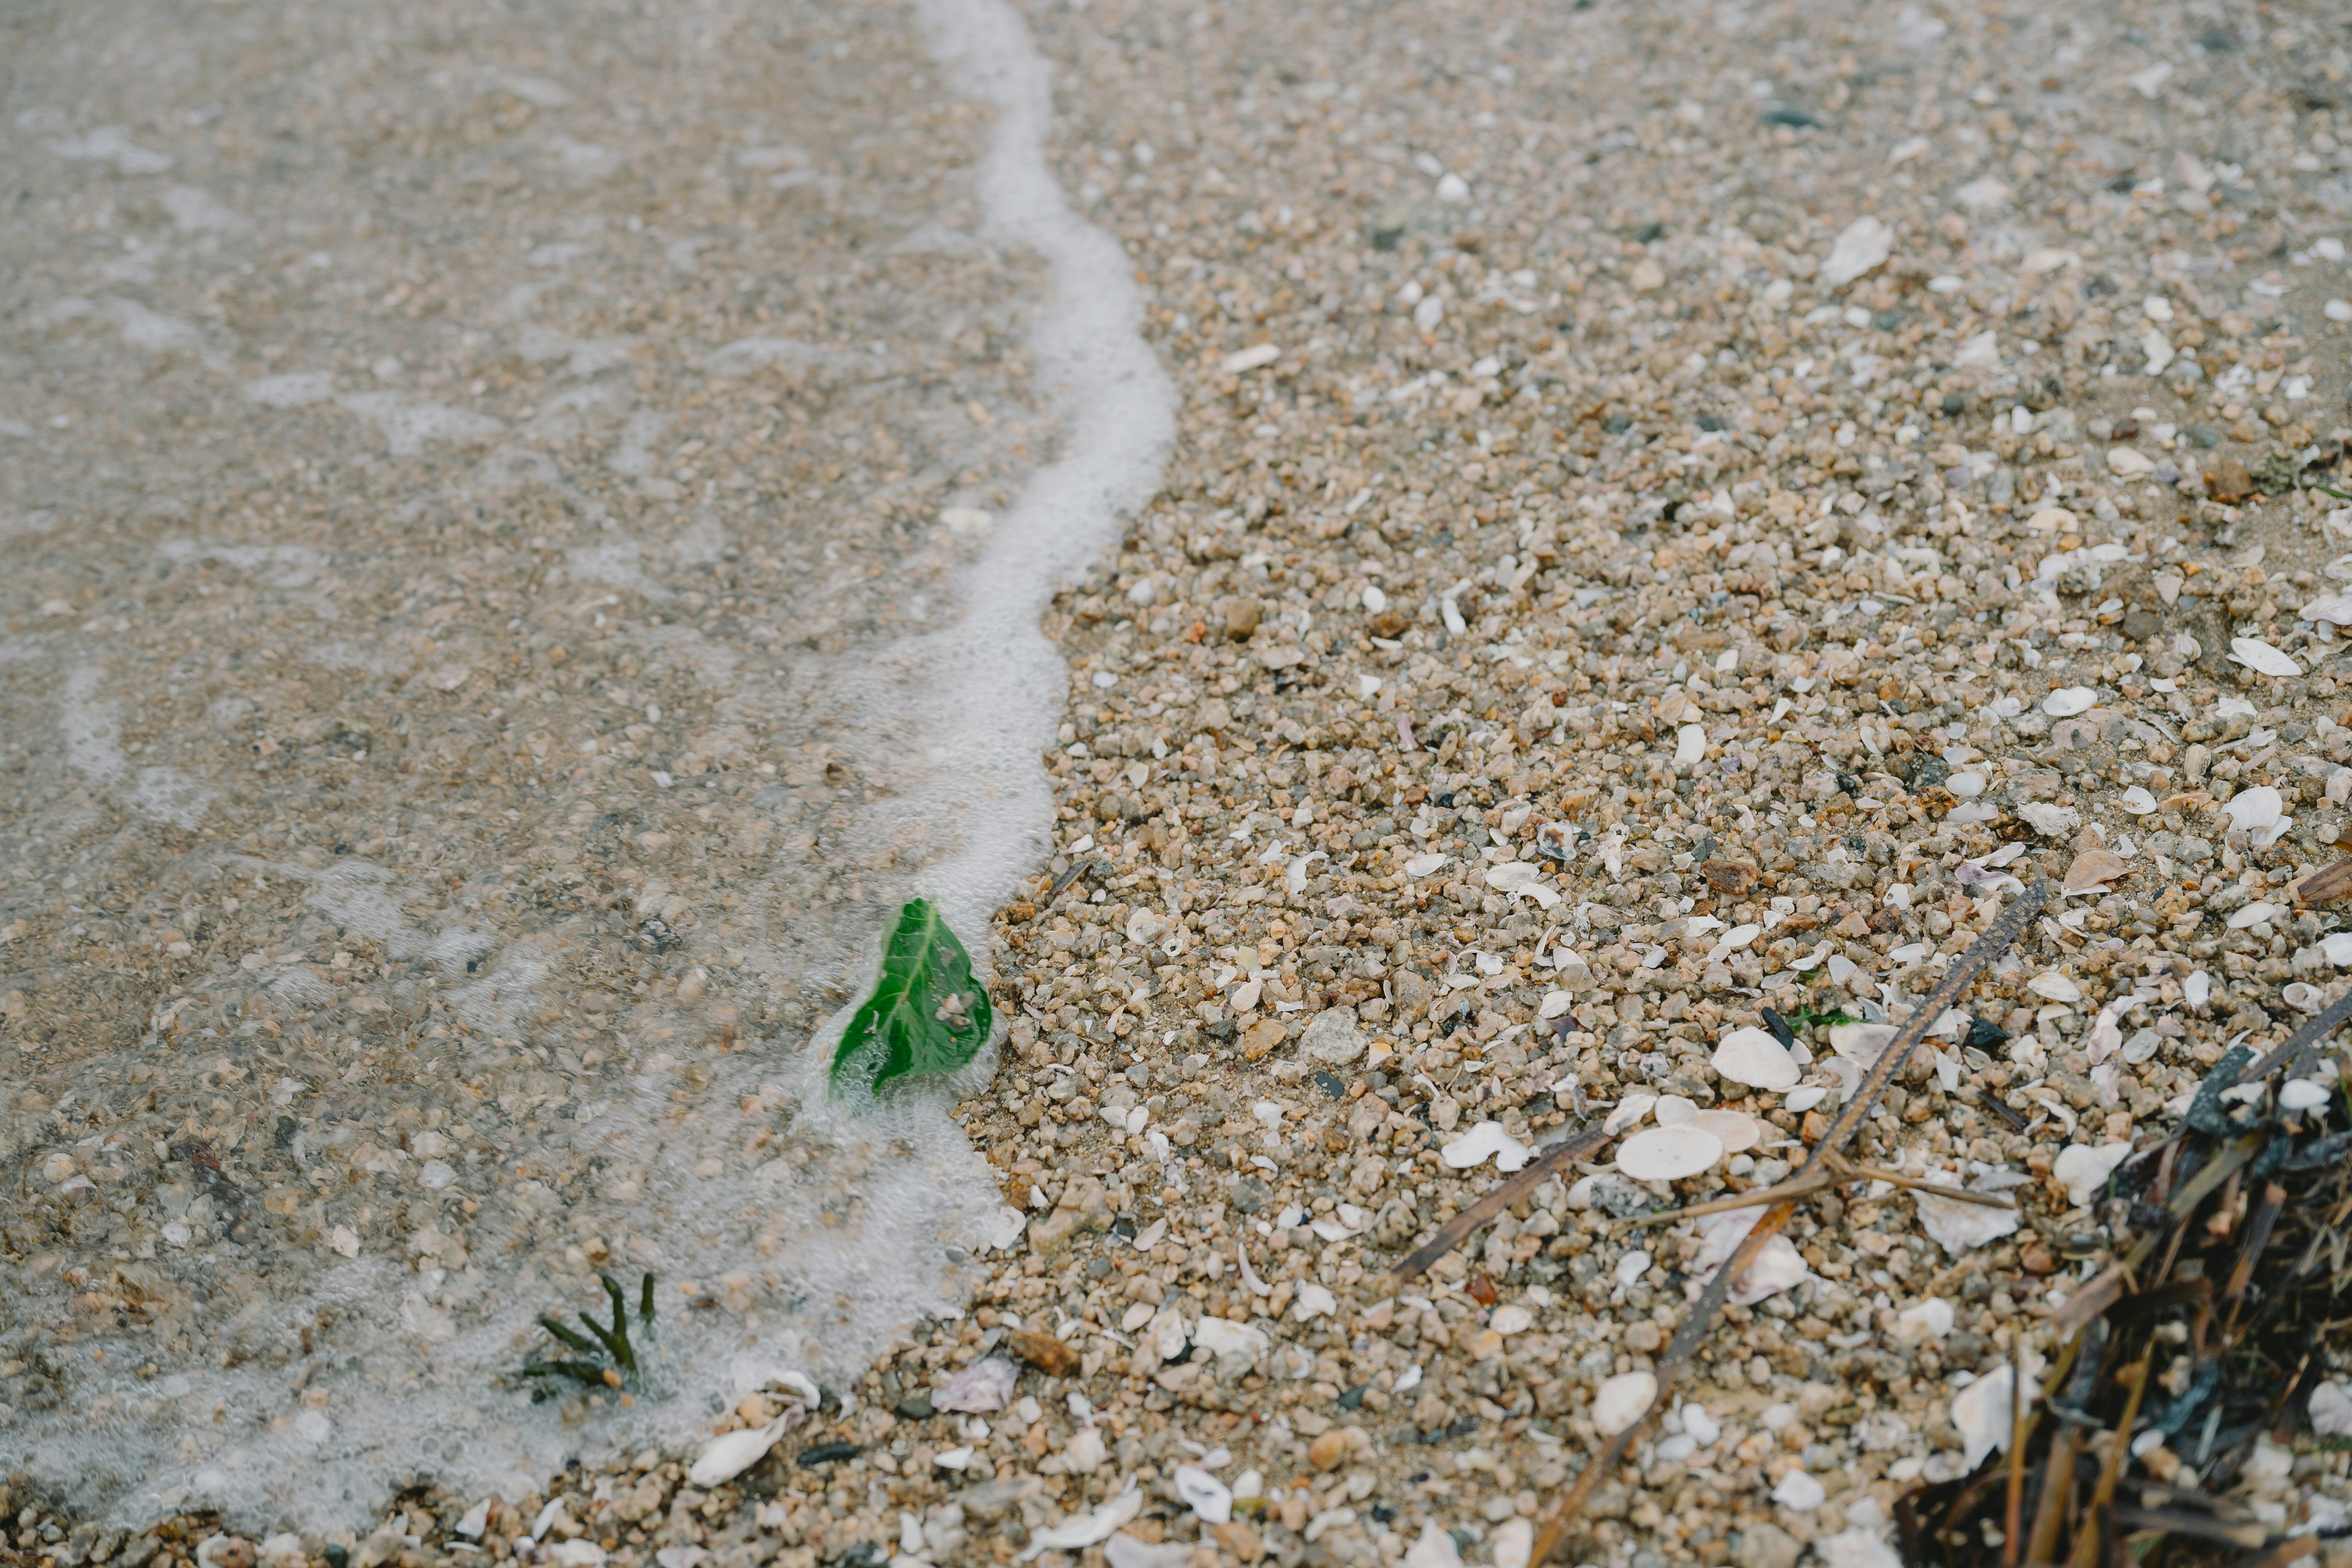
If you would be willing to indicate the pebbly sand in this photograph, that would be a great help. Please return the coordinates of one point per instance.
(1667, 513)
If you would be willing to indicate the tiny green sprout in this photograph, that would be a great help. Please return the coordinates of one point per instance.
(619, 1368)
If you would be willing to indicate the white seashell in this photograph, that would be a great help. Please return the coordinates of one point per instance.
(2331, 1409)
(1804, 1099)
(2137, 801)
(2053, 821)
(1520, 879)
(1927, 1321)
(1862, 1043)
(1735, 1130)
(1087, 1529)
(2338, 948)
(1673, 1110)
(1777, 1267)
(1421, 865)
(1981, 1413)
(2336, 609)
(1487, 1141)
(1085, 1452)
(1668, 1153)
(1752, 1057)
(1966, 785)
(1512, 1318)
(2301, 1094)
(1632, 1266)
(1146, 924)
(2069, 700)
(1554, 1004)
(725, 1457)
(1620, 1401)
(2057, 986)
(2082, 1170)
(2254, 914)
(1800, 1493)
(980, 1389)
(2303, 997)
(1959, 1227)
(2263, 658)
(1630, 1111)
(2251, 808)
(1205, 1495)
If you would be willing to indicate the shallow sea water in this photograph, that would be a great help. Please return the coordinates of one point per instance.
(525, 537)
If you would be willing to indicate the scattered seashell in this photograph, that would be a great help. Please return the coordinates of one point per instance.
(1862, 245)
(1799, 1492)
(1735, 1130)
(2337, 948)
(1981, 1413)
(2263, 658)
(2082, 1170)
(1966, 785)
(2198, 989)
(2053, 821)
(2336, 609)
(2069, 700)
(1621, 1400)
(1520, 879)
(2057, 986)
(2254, 914)
(1421, 865)
(2260, 806)
(2301, 1094)
(1925, 1323)
(1668, 1153)
(1778, 1266)
(1487, 1141)
(1314, 1302)
(1673, 1110)
(1631, 1110)
(1512, 1542)
(1087, 1529)
(1205, 1495)
(1862, 1043)
(1804, 1099)
(725, 1457)
(1752, 1057)
(2094, 867)
(1632, 1266)
(1959, 1227)
(980, 1389)
(2137, 801)
(2304, 996)
(2331, 1409)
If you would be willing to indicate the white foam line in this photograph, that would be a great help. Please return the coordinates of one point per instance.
(993, 696)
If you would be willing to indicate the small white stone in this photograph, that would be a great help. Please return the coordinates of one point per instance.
(1620, 1401)
(1966, 785)
(1668, 1153)
(1754, 1058)
(1512, 1542)
(1512, 1318)
(1375, 601)
(1799, 1492)
(1862, 244)
(1314, 1302)
(1700, 1425)
(2331, 1409)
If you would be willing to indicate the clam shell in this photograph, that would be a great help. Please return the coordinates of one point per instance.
(1668, 1153)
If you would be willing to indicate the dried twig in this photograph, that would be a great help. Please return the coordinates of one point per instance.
(1700, 1321)
(1501, 1196)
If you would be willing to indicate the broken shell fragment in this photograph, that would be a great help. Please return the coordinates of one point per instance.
(2069, 700)
(2082, 1170)
(1735, 1130)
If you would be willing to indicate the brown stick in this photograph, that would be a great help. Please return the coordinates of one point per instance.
(1700, 1321)
(2057, 1490)
(1504, 1194)
(2012, 1522)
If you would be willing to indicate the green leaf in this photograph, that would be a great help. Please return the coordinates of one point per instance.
(927, 1015)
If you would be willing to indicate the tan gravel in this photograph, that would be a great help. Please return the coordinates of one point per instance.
(1578, 617)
